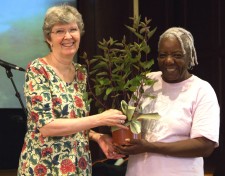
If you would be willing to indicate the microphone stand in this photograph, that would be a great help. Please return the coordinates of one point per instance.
(10, 76)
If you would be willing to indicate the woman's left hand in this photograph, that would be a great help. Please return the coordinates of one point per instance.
(105, 142)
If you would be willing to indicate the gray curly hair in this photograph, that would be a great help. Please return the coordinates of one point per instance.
(61, 14)
(186, 41)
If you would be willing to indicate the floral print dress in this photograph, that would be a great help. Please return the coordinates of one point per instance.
(47, 98)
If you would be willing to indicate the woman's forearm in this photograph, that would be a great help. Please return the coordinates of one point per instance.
(63, 127)
(197, 147)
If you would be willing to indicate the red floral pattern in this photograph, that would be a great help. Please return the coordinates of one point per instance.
(41, 139)
(34, 116)
(56, 101)
(72, 114)
(76, 87)
(46, 151)
(61, 87)
(67, 166)
(35, 99)
(24, 166)
(82, 163)
(40, 170)
(78, 102)
(80, 75)
(48, 97)
(31, 86)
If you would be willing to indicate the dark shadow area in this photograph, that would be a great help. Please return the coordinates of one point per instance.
(107, 167)
(12, 131)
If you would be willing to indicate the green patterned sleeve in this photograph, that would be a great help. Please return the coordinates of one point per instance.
(38, 95)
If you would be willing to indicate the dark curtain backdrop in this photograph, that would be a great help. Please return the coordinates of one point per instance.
(204, 18)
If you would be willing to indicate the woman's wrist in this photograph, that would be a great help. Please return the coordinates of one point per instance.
(95, 136)
(98, 138)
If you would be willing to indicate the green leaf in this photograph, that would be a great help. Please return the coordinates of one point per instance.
(98, 91)
(93, 72)
(146, 49)
(147, 64)
(100, 65)
(102, 47)
(109, 90)
(144, 29)
(131, 28)
(135, 126)
(133, 88)
(130, 112)
(104, 81)
(124, 106)
(112, 41)
(139, 35)
(150, 34)
(102, 74)
(114, 128)
(119, 44)
(93, 60)
(147, 21)
(84, 55)
(149, 82)
(105, 97)
(121, 67)
(149, 116)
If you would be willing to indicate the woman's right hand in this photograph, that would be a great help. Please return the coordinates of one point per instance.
(113, 117)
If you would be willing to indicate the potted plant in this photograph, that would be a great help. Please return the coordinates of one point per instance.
(121, 70)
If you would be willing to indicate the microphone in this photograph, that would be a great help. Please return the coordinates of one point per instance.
(9, 65)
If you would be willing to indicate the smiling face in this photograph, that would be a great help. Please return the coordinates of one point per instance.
(172, 61)
(64, 39)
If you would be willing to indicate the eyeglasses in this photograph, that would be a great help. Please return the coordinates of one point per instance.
(62, 32)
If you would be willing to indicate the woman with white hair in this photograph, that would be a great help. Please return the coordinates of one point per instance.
(187, 128)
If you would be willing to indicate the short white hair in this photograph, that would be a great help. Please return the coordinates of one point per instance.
(186, 41)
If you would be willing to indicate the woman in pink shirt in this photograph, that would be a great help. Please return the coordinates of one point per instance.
(188, 126)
